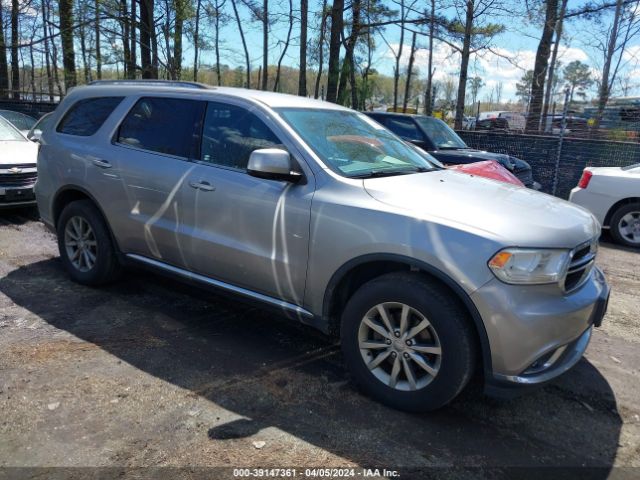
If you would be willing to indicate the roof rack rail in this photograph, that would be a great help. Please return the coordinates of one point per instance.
(157, 83)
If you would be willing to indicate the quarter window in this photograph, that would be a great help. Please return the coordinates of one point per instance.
(163, 125)
(85, 117)
(231, 133)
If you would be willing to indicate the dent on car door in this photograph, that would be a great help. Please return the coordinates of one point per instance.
(153, 146)
(247, 231)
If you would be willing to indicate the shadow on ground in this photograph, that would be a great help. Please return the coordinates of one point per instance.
(276, 373)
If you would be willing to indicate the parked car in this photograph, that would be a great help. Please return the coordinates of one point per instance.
(514, 121)
(495, 124)
(612, 195)
(437, 138)
(21, 121)
(36, 131)
(17, 167)
(425, 275)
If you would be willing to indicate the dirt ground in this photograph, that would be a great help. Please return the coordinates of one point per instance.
(150, 373)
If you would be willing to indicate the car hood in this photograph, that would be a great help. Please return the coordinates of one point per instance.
(511, 215)
(18, 153)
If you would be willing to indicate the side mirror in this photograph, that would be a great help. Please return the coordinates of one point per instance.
(273, 164)
(34, 135)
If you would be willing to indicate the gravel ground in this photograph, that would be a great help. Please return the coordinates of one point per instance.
(150, 373)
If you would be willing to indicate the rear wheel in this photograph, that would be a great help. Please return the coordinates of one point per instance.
(625, 225)
(85, 245)
(407, 342)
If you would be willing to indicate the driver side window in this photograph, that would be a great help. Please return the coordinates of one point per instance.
(231, 133)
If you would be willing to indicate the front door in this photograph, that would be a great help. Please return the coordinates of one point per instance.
(246, 231)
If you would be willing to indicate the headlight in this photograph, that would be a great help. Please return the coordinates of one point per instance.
(530, 266)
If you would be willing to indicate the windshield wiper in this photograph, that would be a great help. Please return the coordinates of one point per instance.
(391, 173)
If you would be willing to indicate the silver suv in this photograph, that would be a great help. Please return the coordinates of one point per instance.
(426, 275)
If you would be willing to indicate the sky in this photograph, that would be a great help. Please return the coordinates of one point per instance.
(515, 50)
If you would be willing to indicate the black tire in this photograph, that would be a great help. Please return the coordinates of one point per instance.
(106, 268)
(448, 318)
(614, 224)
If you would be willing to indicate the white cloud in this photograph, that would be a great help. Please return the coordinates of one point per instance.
(500, 65)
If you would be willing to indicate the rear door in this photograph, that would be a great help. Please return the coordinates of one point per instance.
(150, 159)
(247, 231)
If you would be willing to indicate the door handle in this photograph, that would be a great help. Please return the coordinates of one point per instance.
(98, 162)
(202, 185)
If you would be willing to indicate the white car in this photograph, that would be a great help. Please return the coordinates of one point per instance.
(612, 194)
(18, 172)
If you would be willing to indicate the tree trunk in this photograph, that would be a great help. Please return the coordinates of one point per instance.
(68, 51)
(302, 75)
(356, 8)
(396, 72)
(97, 35)
(540, 67)
(286, 46)
(4, 67)
(244, 44)
(196, 41)
(265, 44)
(407, 88)
(54, 54)
(334, 50)
(217, 43)
(45, 36)
(323, 28)
(428, 100)
(181, 6)
(83, 42)
(124, 25)
(133, 49)
(605, 84)
(146, 25)
(15, 41)
(342, 84)
(552, 65)
(464, 64)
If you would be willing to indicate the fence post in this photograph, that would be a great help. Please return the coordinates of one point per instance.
(560, 141)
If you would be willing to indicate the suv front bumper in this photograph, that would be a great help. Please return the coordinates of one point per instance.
(535, 333)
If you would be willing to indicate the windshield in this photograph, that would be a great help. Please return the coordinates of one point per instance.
(19, 120)
(8, 133)
(440, 133)
(354, 145)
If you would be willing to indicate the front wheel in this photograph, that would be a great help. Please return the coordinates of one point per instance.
(625, 225)
(407, 342)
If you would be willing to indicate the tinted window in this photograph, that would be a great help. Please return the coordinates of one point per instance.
(403, 127)
(87, 116)
(231, 133)
(163, 125)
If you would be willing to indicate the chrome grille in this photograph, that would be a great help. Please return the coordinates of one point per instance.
(17, 175)
(583, 257)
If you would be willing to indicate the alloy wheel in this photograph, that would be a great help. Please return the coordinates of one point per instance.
(399, 346)
(629, 227)
(80, 244)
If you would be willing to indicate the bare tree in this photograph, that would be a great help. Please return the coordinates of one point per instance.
(428, 103)
(540, 66)
(302, 75)
(66, 35)
(554, 59)
(244, 44)
(323, 28)
(412, 57)
(334, 50)
(265, 44)
(4, 68)
(284, 49)
(15, 40)
(196, 40)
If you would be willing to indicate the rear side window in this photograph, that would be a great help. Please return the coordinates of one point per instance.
(164, 125)
(85, 117)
